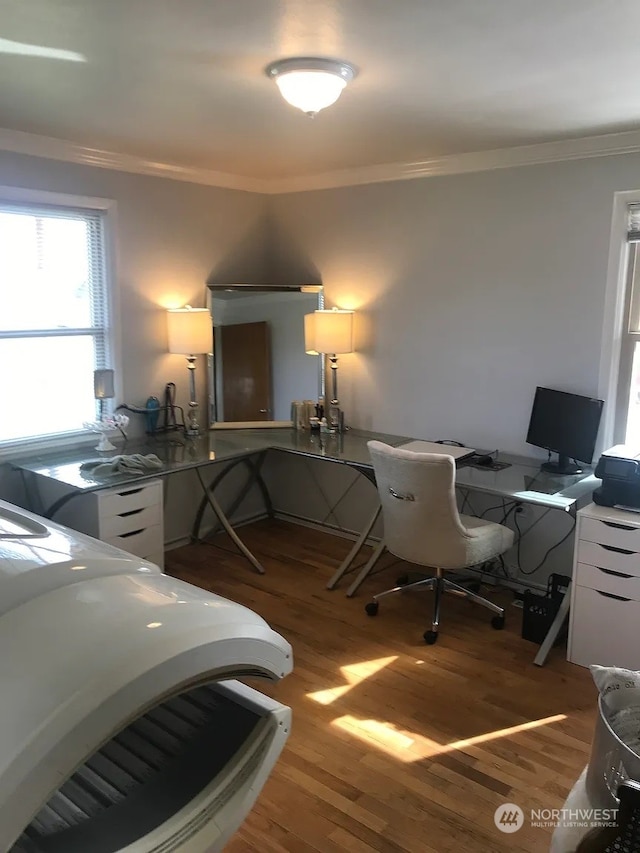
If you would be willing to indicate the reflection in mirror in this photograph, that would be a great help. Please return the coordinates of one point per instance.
(259, 364)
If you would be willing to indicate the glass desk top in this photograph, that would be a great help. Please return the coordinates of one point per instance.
(522, 480)
(179, 454)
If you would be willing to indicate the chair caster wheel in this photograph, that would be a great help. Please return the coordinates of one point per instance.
(371, 609)
(430, 637)
(403, 580)
(497, 623)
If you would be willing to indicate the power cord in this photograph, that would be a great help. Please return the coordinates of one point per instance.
(549, 550)
(491, 508)
(514, 510)
(519, 509)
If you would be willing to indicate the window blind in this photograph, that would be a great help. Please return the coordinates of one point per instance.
(633, 223)
(54, 317)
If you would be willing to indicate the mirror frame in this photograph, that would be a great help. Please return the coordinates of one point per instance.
(212, 289)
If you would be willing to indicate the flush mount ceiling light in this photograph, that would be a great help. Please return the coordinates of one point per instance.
(310, 83)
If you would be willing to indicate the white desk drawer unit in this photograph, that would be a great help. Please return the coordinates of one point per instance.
(604, 626)
(129, 517)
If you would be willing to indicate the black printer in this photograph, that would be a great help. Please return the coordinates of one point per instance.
(619, 470)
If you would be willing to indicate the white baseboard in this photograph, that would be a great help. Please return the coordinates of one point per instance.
(323, 527)
(172, 544)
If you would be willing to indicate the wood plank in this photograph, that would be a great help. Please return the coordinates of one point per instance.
(395, 745)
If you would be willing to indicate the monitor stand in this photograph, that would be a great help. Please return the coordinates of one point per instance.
(562, 466)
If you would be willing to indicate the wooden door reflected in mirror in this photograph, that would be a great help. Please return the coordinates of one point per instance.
(259, 364)
(246, 384)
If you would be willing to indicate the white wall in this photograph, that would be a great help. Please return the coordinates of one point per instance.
(472, 289)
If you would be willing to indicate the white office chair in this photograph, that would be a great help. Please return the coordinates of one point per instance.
(422, 525)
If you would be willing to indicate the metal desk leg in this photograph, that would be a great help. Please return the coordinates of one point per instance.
(195, 532)
(224, 521)
(204, 503)
(255, 477)
(346, 565)
(554, 630)
(256, 469)
(367, 568)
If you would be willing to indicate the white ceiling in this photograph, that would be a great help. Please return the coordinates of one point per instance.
(182, 81)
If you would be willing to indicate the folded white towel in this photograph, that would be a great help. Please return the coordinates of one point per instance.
(136, 463)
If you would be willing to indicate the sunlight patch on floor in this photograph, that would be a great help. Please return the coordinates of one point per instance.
(353, 674)
(408, 746)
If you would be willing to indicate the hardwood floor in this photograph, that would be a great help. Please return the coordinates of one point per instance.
(396, 745)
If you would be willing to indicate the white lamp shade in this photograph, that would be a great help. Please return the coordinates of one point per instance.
(310, 83)
(103, 384)
(310, 334)
(189, 330)
(329, 331)
(310, 91)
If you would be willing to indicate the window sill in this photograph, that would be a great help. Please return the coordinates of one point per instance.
(11, 449)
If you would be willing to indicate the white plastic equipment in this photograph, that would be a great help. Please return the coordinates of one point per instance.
(122, 725)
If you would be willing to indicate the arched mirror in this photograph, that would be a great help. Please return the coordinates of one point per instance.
(259, 364)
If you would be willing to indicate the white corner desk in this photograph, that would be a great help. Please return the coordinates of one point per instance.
(63, 468)
(521, 482)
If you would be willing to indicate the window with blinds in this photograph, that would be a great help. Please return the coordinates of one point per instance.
(627, 422)
(54, 323)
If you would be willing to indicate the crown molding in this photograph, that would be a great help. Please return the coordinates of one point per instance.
(70, 152)
(604, 145)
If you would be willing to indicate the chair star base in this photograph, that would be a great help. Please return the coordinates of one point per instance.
(439, 584)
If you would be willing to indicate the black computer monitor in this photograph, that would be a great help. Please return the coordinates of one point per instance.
(566, 424)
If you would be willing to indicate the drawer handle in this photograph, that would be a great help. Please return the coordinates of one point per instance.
(130, 513)
(617, 550)
(132, 533)
(611, 572)
(130, 492)
(619, 526)
(611, 595)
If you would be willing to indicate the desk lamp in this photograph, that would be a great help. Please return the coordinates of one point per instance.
(190, 334)
(103, 389)
(330, 332)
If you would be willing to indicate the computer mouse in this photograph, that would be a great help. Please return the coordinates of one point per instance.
(484, 461)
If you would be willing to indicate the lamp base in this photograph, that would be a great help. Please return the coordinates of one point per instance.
(336, 417)
(192, 428)
(109, 423)
(104, 444)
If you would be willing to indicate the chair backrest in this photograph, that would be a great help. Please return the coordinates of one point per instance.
(420, 513)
